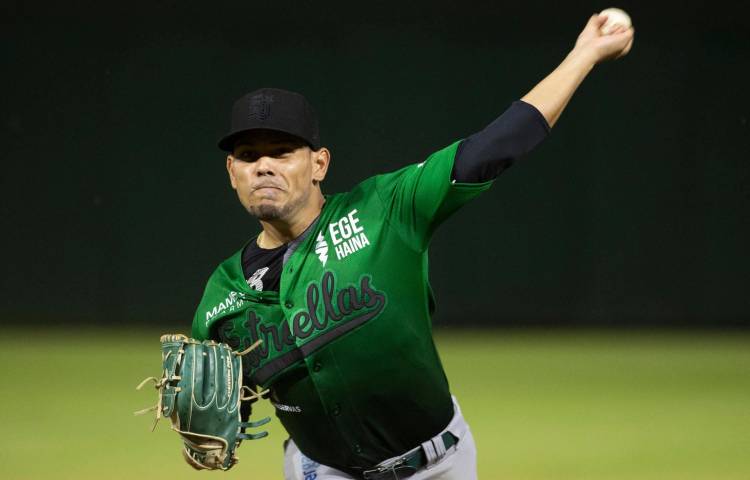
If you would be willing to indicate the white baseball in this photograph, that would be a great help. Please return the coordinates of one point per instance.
(615, 17)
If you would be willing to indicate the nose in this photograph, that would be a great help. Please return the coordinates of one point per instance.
(264, 166)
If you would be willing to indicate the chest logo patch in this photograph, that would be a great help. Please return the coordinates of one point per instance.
(347, 235)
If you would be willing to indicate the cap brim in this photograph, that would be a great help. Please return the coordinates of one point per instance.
(227, 142)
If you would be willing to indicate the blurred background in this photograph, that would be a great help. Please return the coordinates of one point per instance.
(592, 307)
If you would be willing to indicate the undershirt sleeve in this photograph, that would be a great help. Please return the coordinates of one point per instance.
(484, 155)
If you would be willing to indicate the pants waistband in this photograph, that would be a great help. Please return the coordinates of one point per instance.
(426, 454)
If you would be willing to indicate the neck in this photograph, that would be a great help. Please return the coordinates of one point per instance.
(278, 232)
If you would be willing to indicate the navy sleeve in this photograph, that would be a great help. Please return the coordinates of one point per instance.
(484, 155)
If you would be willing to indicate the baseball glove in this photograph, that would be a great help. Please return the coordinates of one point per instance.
(201, 391)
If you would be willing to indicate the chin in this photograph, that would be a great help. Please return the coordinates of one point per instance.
(267, 212)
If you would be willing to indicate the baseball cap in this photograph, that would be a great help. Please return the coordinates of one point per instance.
(273, 109)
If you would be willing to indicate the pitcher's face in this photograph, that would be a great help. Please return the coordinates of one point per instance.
(273, 174)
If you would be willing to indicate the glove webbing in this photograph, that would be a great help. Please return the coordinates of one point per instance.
(159, 384)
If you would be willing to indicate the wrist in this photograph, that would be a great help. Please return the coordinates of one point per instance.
(583, 58)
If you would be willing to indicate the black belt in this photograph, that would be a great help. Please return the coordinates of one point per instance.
(406, 465)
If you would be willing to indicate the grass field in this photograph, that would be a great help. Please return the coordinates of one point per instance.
(557, 405)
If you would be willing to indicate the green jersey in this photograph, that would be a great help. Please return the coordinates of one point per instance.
(347, 341)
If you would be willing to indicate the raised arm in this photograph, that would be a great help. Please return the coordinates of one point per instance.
(485, 154)
(551, 95)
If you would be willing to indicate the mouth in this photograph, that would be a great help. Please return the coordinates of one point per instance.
(266, 187)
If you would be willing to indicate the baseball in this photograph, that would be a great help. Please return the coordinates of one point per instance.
(615, 17)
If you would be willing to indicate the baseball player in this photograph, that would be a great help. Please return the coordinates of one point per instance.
(336, 286)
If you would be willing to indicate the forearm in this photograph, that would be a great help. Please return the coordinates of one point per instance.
(484, 155)
(551, 95)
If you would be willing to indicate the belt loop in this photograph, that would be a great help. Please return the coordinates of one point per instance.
(434, 449)
(429, 452)
(439, 446)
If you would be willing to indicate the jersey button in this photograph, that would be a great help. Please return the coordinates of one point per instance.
(289, 304)
(357, 448)
(336, 410)
(317, 366)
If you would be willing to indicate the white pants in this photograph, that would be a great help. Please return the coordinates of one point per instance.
(459, 462)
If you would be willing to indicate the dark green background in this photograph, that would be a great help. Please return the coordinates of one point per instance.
(635, 211)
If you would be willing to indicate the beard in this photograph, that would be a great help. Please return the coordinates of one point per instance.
(269, 212)
(272, 212)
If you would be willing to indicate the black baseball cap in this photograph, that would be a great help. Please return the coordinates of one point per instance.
(273, 109)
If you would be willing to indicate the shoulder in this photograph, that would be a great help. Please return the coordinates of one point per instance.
(439, 160)
(220, 293)
(438, 164)
(229, 266)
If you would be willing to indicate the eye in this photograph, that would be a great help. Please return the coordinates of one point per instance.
(245, 156)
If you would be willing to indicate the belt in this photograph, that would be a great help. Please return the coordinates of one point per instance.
(409, 463)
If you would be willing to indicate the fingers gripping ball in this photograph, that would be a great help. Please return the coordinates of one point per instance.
(201, 391)
(615, 17)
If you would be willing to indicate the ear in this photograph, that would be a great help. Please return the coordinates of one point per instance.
(230, 165)
(320, 160)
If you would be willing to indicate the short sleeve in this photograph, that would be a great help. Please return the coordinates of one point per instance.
(419, 197)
